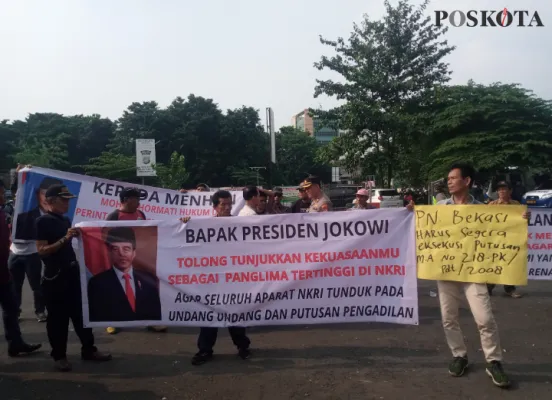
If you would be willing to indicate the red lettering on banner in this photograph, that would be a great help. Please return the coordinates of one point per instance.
(331, 272)
(196, 212)
(194, 262)
(544, 236)
(111, 203)
(246, 277)
(363, 254)
(539, 246)
(390, 270)
(91, 214)
(193, 279)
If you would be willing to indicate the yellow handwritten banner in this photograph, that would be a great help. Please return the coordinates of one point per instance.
(472, 243)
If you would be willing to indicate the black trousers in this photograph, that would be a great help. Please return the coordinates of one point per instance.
(208, 338)
(507, 288)
(30, 265)
(64, 303)
(10, 314)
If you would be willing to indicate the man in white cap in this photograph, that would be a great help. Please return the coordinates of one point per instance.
(362, 201)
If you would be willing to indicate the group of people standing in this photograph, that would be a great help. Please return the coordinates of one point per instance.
(60, 287)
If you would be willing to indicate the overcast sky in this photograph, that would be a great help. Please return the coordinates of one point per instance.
(99, 56)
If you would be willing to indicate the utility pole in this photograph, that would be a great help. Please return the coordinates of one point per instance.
(257, 169)
(272, 134)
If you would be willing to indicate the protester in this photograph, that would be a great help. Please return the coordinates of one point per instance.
(263, 205)
(8, 299)
(128, 211)
(460, 180)
(24, 258)
(440, 192)
(362, 197)
(202, 187)
(504, 190)
(251, 195)
(61, 285)
(303, 203)
(319, 201)
(222, 203)
(278, 207)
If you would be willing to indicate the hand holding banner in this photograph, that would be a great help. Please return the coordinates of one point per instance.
(472, 243)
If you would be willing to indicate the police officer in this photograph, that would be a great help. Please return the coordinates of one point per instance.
(61, 282)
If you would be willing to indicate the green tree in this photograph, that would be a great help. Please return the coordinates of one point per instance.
(174, 174)
(296, 155)
(388, 68)
(7, 139)
(494, 127)
(113, 165)
(246, 176)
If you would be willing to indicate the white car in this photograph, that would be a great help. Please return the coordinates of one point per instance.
(386, 198)
(541, 197)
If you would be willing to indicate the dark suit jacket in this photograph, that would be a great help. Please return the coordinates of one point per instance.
(107, 300)
(26, 225)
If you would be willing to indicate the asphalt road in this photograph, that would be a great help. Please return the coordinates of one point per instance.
(351, 361)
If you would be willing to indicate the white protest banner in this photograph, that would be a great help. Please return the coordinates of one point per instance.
(98, 197)
(245, 271)
(145, 157)
(539, 246)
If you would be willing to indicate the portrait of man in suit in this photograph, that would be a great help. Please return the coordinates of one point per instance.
(123, 293)
(25, 228)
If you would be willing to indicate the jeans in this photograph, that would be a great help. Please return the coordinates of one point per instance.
(208, 337)
(10, 314)
(30, 265)
(64, 303)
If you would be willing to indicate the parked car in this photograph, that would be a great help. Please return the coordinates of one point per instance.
(386, 198)
(540, 197)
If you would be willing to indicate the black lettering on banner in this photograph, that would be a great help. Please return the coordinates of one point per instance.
(540, 272)
(315, 313)
(227, 299)
(191, 316)
(267, 297)
(484, 241)
(544, 219)
(240, 318)
(275, 314)
(187, 298)
(358, 311)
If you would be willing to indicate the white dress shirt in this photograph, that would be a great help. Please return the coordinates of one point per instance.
(122, 279)
(247, 211)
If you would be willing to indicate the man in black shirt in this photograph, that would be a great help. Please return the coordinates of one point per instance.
(61, 284)
(303, 204)
(222, 203)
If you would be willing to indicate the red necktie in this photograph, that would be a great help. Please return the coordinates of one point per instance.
(130, 292)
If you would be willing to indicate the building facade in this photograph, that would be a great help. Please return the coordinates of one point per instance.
(311, 125)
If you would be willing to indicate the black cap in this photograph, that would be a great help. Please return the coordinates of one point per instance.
(59, 191)
(129, 192)
(49, 181)
(503, 184)
(121, 234)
